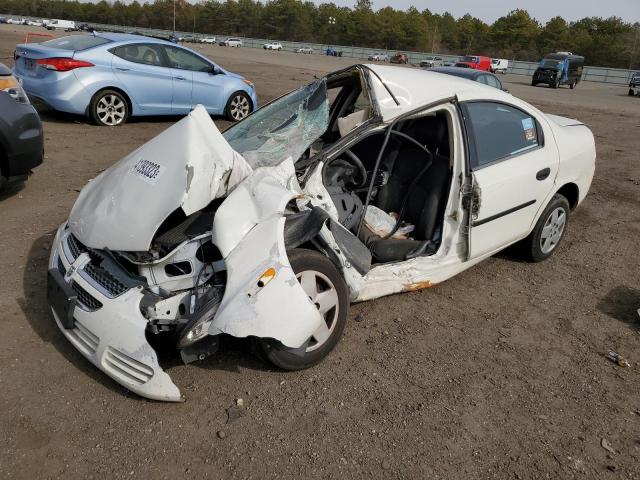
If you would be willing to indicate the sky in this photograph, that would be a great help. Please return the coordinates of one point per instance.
(543, 10)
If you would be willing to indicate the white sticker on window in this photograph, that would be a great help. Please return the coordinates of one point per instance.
(147, 170)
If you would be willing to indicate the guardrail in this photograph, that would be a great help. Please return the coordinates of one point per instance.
(590, 74)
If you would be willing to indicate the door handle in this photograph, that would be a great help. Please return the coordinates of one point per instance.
(122, 69)
(180, 78)
(543, 174)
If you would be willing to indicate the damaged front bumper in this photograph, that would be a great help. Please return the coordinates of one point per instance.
(104, 321)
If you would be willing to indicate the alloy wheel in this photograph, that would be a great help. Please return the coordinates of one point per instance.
(553, 230)
(111, 110)
(239, 107)
(324, 295)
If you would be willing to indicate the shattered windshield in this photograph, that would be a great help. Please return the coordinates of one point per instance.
(285, 128)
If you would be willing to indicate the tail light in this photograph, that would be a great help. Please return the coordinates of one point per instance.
(62, 64)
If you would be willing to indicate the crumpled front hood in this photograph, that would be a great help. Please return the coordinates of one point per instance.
(188, 165)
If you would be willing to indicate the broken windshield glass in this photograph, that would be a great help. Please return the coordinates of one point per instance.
(285, 128)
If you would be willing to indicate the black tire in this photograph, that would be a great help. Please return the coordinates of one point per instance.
(119, 104)
(631, 92)
(533, 244)
(239, 106)
(534, 83)
(311, 261)
(573, 85)
(556, 84)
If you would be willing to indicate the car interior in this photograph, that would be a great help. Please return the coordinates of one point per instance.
(410, 186)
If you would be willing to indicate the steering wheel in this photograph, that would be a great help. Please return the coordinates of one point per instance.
(352, 159)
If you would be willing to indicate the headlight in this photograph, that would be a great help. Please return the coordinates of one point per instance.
(195, 332)
(11, 86)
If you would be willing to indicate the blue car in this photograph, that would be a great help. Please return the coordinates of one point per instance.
(112, 76)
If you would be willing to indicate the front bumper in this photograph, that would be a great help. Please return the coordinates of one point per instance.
(108, 329)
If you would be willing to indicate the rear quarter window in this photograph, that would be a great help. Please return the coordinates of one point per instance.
(76, 42)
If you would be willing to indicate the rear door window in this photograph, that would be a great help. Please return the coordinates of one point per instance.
(146, 54)
(76, 42)
(498, 131)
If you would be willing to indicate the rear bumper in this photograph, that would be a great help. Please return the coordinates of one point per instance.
(61, 91)
(110, 332)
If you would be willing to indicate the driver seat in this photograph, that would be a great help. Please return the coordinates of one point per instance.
(426, 201)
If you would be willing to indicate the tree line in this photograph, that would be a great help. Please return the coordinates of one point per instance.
(607, 42)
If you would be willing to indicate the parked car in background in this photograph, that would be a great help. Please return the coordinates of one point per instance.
(399, 58)
(66, 25)
(431, 61)
(15, 21)
(634, 84)
(556, 69)
(499, 65)
(379, 57)
(112, 76)
(247, 234)
(34, 23)
(231, 42)
(188, 39)
(272, 46)
(21, 138)
(477, 62)
(3, 20)
(480, 76)
(462, 65)
(304, 50)
(211, 40)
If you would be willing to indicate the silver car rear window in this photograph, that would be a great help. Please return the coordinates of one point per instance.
(76, 42)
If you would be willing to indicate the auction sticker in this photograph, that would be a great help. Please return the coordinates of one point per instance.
(529, 129)
(147, 170)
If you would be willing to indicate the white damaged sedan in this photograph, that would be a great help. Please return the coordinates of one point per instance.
(371, 181)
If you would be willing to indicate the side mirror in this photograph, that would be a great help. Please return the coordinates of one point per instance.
(215, 70)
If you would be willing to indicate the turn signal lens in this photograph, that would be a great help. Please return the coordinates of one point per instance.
(266, 277)
(11, 86)
(248, 83)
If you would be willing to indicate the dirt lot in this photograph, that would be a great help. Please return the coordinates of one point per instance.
(497, 373)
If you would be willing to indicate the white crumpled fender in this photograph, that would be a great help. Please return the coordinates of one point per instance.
(249, 231)
(188, 165)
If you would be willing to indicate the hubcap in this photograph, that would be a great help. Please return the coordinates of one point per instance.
(323, 294)
(111, 110)
(239, 107)
(552, 230)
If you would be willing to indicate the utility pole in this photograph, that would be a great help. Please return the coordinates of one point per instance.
(174, 17)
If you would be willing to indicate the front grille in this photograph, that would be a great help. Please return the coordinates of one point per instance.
(63, 271)
(75, 247)
(87, 302)
(109, 282)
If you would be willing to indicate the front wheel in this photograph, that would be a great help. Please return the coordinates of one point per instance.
(109, 108)
(549, 231)
(325, 287)
(631, 92)
(238, 107)
(573, 85)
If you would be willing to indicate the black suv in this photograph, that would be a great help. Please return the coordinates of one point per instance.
(21, 139)
(634, 84)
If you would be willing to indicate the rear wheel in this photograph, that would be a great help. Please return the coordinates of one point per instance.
(573, 85)
(238, 107)
(325, 287)
(534, 83)
(556, 84)
(109, 108)
(631, 92)
(549, 231)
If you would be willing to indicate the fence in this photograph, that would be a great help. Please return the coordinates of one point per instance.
(590, 74)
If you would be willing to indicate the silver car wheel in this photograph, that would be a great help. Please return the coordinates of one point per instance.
(324, 295)
(239, 107)
(553, 230)
(111, 110)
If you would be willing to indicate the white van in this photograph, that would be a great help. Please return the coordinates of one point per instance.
(66, 25)
(499, 65)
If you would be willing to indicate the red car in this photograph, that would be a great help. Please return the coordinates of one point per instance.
(477, 62)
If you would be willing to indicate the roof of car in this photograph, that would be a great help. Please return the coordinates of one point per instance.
(415, 88)
(124, 37)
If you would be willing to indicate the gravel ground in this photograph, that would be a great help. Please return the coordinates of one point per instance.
(497, 373)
